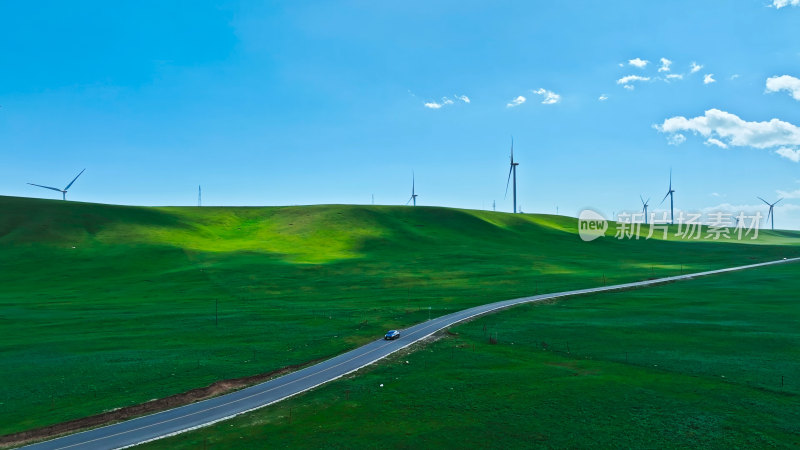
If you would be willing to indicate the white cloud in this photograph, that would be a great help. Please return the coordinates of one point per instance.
(665, 63)
(629, 87)
(674, 76)
(709, 78)
(446, 101)
(788, 153)
(695, 67)
(715, 194)
(627, 79)
(735, 76)
(676, 139)
(729, 129)
(603, 97)
(784, 83)
(778, 4)
(550, 97)
(516, 102)
(788, 194)
(717, 142)
(638, 62)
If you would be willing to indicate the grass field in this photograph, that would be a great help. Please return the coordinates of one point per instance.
(107, 306)
(706, 363)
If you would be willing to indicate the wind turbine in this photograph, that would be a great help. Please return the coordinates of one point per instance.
(669, 194)
(644, 207)
(413, 192)
(199, 196)
(512, 169)
(63, 191)
(771, 213)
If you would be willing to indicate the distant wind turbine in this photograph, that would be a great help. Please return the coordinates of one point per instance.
(669, 194)
(771, 213)
(413, 192)
(199, 196)
(512, 170)
(63, 191)
(644, 207)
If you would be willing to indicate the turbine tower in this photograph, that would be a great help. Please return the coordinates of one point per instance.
(644, 207)
(199, 196)
(771, 213)
(63, 191)
(671, 205)
(413, 192)
(512, 171)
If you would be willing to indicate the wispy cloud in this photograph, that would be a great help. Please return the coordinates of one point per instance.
(778, 4)
(717, 142)
(628, 79)
(784, 83)
(550, 97)
(665, 63)
(446, 101)
(516, 102)
(709, 78)
(720, 127)
(788, 153)
(638, 62)
(788, 194)
(603, 97)
(676, 139)
(695, 67)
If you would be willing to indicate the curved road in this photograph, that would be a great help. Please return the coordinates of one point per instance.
(200, 414)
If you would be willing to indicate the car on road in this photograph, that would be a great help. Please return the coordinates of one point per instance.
(392, 335)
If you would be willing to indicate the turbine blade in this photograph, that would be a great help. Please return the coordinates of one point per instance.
(640, 198)
(777, 201)
(665, 197)
(70, 184)
(46, 187)
(508, 181)
(409, 200)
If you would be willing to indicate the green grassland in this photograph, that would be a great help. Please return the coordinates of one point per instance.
(107, 306)
(692, 364)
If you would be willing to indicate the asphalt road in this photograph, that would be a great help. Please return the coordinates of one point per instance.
(204, 413)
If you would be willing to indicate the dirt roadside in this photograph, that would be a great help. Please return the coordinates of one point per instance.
(152, 406)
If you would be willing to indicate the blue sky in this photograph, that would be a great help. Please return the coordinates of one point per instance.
(281, 103)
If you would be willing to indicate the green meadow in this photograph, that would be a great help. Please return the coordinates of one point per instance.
(712, 362)
(105, 306)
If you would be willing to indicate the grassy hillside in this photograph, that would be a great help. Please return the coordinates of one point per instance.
(107, 306)
(706, 363)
